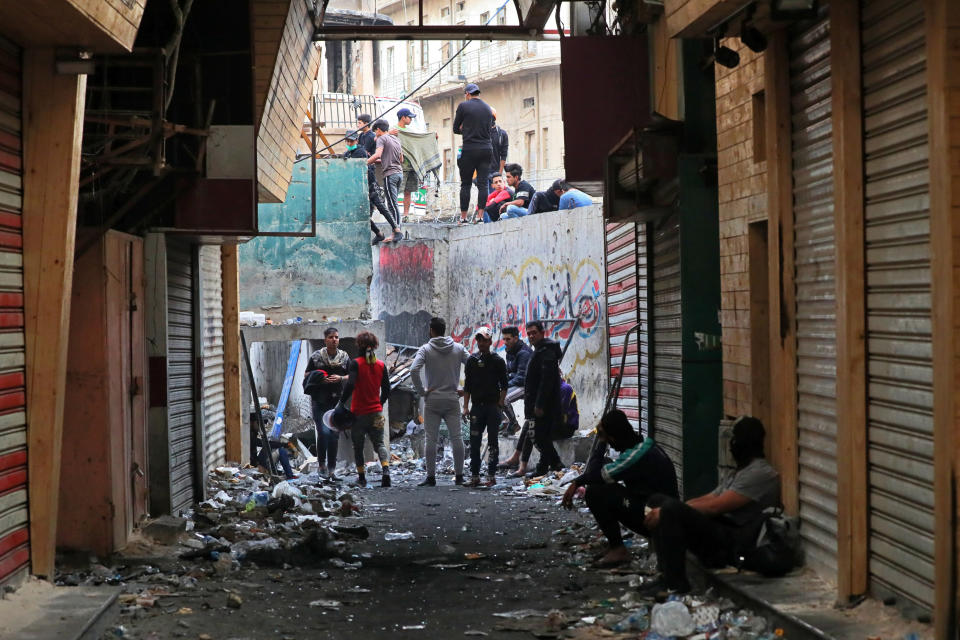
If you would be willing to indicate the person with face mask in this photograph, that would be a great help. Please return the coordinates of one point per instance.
(617, 492)
(719, 526)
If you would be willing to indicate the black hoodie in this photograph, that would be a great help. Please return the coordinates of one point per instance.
(542, 385)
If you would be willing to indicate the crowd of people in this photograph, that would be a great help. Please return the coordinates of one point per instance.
(637, 490)
(503, 193)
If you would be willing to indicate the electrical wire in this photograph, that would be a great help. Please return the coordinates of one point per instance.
(466, 43)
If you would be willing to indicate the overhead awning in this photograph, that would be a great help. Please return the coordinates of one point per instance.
(641, 173)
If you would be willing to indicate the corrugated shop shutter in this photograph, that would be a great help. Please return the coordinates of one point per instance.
(626, 260)
(667, 342)
(814, 242)
(214, 410)
(899, 351)
(14, 530)
(180, 376)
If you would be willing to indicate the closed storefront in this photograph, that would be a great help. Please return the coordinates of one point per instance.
(14, 534)
(667, 403)
(814, 246)
(898, 301)
(181, 418)
(626, 264)
(211, 345)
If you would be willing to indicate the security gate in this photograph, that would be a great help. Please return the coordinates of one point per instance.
(626, 263)
(667, 342)
(180, 377)
(898, 300)
(14, 531)
(814, 245)
(213, 388)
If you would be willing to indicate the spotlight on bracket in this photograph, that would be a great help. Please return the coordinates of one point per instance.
(750, 35)
(724, 56)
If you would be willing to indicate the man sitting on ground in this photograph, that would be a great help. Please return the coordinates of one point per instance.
(617, 492)
(570, 198)
(721, 525)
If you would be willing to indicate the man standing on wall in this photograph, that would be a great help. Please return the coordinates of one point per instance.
(440, 359)
(411, 183)
(474, 121)
(368, 140)
(541, 399)
(486, 384)
(390, 156)
(356, 150)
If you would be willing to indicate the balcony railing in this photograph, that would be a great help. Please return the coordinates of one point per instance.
(475, 65)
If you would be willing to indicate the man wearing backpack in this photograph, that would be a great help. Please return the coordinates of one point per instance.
(721, 525)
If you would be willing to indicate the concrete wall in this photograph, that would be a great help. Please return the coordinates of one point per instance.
(322, 277)
(548, 266)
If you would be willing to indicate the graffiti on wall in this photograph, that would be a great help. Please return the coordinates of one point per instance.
(536, 291)
(406, 281)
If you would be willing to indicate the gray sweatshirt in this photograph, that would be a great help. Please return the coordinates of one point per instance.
(440, 359)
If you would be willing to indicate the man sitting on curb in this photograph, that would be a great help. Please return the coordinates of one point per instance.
(721, 525)
(617, 492)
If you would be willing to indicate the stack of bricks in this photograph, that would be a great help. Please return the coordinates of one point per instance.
(285, 64)
(742, 178)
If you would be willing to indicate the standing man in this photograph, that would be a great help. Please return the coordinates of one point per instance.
(368, 387)
(541, 396)
(368, 140)
(486, 384)
(335, 362)
(520, 205)
(390, 156)
(356, 150)
(441, 359)
(473, 121)
(501, 144)
(410, 181)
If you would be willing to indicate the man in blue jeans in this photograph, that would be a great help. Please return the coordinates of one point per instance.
(570, 198)
(518, 207)
(390, 156)
(485, 383)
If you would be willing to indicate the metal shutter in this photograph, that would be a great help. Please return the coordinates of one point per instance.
(899, 351)
(814, 241)
(14, 530)
(667, 343)
(180, 382)
(214, 408)
(626, 260)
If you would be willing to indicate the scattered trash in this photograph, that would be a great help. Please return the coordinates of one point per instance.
(476, 633)
(327, 604)
(519, 614)
(346, 566)
(413, 627)
(671, 619)
(395, 535)
(234, 601)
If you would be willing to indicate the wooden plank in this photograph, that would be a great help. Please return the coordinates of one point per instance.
(852, 570)
(692, 18)
(942, 21)
(52, 159)
(783, 339)
(231, 352)
(89, 24)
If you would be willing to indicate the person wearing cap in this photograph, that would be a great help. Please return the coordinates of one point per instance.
(390, 156)
(410, 181)
(367, 140)
(718, 526)
(356, 150)
(485, 383)
(325, 395)
(570, 198)
(474, 121)
(368, 387)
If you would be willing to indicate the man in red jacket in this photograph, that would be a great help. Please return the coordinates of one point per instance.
(368, 387)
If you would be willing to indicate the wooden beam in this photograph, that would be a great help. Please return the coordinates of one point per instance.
(942, 23)
(231, 352)
(537, 14)
(783, 324)
(852, 570)
(692, 18)
(51, 184)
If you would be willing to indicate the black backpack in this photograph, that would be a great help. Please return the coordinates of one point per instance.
(777, 550)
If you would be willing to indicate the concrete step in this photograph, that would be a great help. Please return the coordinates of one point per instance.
(74, 613)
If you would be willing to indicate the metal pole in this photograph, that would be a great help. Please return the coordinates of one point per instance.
(256, 405)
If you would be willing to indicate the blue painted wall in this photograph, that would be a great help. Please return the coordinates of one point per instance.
(327, 275)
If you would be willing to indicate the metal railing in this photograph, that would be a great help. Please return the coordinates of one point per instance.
(474, 65)
(340, 110)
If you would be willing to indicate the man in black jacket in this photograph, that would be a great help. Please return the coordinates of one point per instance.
(541, 399)
(473, 120)
(485, 383)
(617, 492)
(355, 149)
(333, 361)
(518, 359)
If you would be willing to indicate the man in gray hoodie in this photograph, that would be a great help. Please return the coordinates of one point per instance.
(441, 360)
